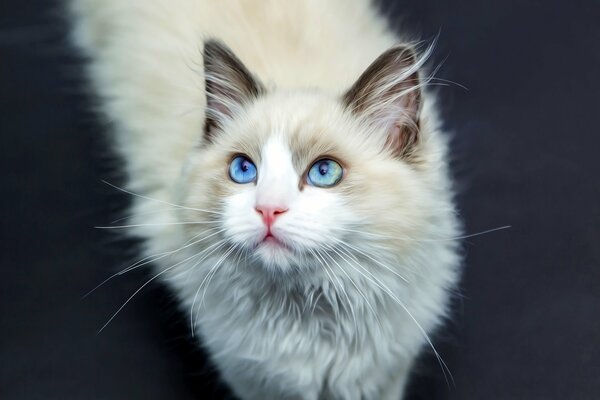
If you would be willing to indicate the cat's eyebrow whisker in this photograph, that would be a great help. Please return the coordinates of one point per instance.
(160, 201)
(155, 257)
(382, 286)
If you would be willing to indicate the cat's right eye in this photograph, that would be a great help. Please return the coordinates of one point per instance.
(325, 173)
(242, 170)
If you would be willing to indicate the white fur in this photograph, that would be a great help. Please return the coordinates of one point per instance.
(277, 180)
(317, 319)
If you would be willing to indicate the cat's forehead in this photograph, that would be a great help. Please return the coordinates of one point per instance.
(276, 152)
(301, 127)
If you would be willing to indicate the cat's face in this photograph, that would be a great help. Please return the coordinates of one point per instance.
(291, 178)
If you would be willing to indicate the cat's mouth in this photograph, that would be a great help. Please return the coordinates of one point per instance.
(272, 240)
(274, 251)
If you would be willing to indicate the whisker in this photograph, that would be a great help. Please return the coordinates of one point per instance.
(353, 283)
(216, 267)
(207, 279)
(156, 224)
(500, 228)
(372, 259)
(348, 298)
(143, 213)
(386, 290)
(336, 306)
(206, 253)
(151, 259)
(142, 287)
(213, 248)
(342, 289)
(426, 239)
(160, 201)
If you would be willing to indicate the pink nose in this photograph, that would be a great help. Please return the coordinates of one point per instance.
(269, 213)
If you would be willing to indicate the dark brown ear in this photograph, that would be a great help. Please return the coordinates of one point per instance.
(229, 84)
(388, 95)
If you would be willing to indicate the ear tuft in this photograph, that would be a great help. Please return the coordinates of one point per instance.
(228, 84)
(388, 95)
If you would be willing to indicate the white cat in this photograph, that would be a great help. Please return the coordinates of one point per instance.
(292, 191)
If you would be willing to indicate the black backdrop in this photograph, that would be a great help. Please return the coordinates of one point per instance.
(528, 322)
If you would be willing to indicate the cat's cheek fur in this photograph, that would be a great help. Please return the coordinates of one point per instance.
(242, 224)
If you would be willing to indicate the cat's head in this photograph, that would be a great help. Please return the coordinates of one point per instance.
(292, 177)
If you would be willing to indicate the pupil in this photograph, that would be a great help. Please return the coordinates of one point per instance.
(244, 166)
(323, 168)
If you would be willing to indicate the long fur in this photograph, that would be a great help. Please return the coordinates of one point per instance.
(343, 312)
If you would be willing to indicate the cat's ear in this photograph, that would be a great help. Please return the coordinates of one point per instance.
(228, 84)
(388, 96)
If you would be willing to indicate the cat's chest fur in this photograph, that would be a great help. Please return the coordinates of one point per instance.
(312, 342)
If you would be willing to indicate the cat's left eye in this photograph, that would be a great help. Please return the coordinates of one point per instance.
(325, 173)
(242, 170)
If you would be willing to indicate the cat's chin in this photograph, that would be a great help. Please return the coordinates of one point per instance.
(274, 254)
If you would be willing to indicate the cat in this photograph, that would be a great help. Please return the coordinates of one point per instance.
(290, 184)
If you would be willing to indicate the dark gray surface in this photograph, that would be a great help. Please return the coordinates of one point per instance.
(526, 148)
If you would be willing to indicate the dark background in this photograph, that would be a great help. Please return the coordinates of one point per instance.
(526, 154)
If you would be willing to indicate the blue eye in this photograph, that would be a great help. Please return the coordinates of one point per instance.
(242, 170)
(325, 173)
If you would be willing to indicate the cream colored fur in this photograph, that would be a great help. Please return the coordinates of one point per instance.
(345, 315)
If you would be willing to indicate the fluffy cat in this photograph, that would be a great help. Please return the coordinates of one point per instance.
(291, 184)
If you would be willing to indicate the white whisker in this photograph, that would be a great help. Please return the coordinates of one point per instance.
(374, 260)
(207, 279)
(143, 213)
(206, 253)
(343, 290)
(156, 224)
(142, 287)
(386, 290)
(160, 201)
(425, 239)
(335, 306)
(153, 258)
(353, 283)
